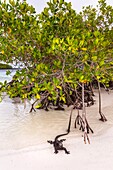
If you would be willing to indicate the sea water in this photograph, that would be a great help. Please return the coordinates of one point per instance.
(3, 75)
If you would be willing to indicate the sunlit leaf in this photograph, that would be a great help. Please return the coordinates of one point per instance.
(59, 87)
(84, 49)
(38, 106)
(38, 96)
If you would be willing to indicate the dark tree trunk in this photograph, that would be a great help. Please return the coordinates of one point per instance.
(85, 122)
(102, 117)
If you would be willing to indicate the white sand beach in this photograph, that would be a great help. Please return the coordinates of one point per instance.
(40, 156)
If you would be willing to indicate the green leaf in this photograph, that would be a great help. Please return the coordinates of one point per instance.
(84, 49)
(62, 98)
(38, 106)
(81, 78)
(59, 87)
(96, 33)
(0, 99)
(81, 43)
(12, 2)
(37, 96)
(61, 1)
(8, 72)
(102, 63)
(96, 41)
(94, 58)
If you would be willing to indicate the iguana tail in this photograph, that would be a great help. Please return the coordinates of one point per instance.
(68, 130)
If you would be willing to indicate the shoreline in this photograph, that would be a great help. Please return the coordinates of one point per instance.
(96, 155)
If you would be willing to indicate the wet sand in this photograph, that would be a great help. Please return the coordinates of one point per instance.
(97, 155)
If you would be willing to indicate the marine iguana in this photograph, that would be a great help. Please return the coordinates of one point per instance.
(58, 144)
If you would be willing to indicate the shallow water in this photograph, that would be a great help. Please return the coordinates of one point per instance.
(19, 128)
(3, 75)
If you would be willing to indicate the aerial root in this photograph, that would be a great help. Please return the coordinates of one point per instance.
(86, 138)
(32, 108)
(103, 118)
(88, 127)
(79, 121)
